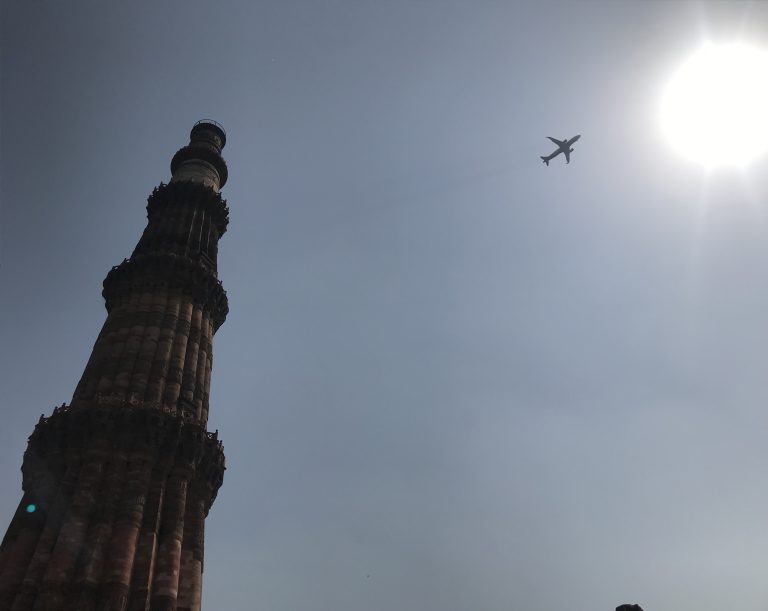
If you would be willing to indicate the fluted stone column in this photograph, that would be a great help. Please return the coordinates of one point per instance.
(117, 485)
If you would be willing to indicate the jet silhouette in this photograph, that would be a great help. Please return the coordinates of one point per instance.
(564, 146)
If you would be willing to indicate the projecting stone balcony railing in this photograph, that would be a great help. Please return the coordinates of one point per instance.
(102, 400)
(169, 270)
(63, 436)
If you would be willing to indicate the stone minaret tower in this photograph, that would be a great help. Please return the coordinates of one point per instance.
(117, 484)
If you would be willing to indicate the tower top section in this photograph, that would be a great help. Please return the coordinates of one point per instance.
(201, 161)
(210, 130)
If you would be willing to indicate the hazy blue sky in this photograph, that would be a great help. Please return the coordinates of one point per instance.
(452, 378)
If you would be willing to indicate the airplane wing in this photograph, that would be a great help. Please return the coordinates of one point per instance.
(567, 155)
(556, 141)
(574, 139)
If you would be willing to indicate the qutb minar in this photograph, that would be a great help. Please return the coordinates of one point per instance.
(117, 484)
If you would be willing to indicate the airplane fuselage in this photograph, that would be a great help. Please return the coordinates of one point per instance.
(563, 146)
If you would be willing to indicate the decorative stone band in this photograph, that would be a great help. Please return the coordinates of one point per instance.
(189, 193)
(167, 271)
(201, 153)
(184, 444)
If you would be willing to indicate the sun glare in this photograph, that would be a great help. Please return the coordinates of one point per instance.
(715, 108)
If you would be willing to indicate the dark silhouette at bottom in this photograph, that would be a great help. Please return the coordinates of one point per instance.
(629, 608)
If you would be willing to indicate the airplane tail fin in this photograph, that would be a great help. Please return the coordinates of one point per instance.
(545, 160)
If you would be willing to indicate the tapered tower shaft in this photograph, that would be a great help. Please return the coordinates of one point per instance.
(117, 485)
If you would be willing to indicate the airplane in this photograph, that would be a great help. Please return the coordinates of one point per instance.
(564, 147)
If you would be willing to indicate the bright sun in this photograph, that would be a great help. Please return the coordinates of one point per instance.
(715, 108)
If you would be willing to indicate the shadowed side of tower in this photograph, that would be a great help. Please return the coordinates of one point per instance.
(117, 485)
